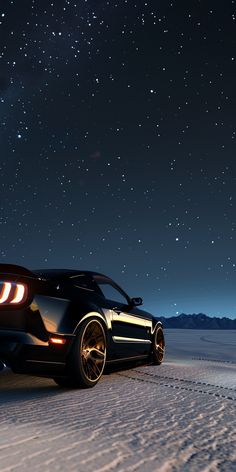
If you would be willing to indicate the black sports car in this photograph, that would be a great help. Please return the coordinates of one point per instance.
(69, 325)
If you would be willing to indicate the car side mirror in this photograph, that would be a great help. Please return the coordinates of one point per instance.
(137, 301)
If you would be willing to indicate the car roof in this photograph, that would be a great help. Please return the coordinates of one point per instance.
(55, 273)
(52, 274)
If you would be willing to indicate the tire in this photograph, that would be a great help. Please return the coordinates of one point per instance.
(87, 358)
(158, 346)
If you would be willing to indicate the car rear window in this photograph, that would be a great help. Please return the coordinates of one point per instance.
(83, 282)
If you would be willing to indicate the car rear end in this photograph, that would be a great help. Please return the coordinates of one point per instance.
(27, 344)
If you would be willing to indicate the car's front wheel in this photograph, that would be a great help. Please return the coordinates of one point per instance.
(158, 345)
(88, 356)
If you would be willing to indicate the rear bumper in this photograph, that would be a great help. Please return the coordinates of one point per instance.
(27, 354)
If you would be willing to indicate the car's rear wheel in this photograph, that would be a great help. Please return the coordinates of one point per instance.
(158, 345)
(88, 356)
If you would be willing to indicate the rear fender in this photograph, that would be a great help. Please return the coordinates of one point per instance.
(92, 314)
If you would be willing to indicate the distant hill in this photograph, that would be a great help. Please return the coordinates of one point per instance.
(197, 321)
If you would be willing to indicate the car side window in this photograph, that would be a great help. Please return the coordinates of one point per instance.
(111, 293)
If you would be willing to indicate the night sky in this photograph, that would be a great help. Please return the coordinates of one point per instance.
(117, 142)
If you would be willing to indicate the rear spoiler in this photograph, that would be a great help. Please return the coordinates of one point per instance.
(16, 270)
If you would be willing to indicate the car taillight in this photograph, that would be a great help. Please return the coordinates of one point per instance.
(12, 293)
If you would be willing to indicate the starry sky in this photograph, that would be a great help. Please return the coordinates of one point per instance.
(117, 145)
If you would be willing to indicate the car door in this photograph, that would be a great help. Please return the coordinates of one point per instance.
(130, 330)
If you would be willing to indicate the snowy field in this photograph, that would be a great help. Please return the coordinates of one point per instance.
(180, 416)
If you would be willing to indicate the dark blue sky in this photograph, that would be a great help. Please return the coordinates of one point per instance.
(117, 135)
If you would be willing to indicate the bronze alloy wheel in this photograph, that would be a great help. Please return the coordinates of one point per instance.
(93, 350)
(159, 346)
(87, 358)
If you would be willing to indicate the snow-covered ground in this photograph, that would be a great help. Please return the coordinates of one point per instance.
(180, 416)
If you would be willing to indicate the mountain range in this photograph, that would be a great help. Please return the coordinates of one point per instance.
(197, 321)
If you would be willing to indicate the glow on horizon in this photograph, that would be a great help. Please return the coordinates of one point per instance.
(168, 309)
